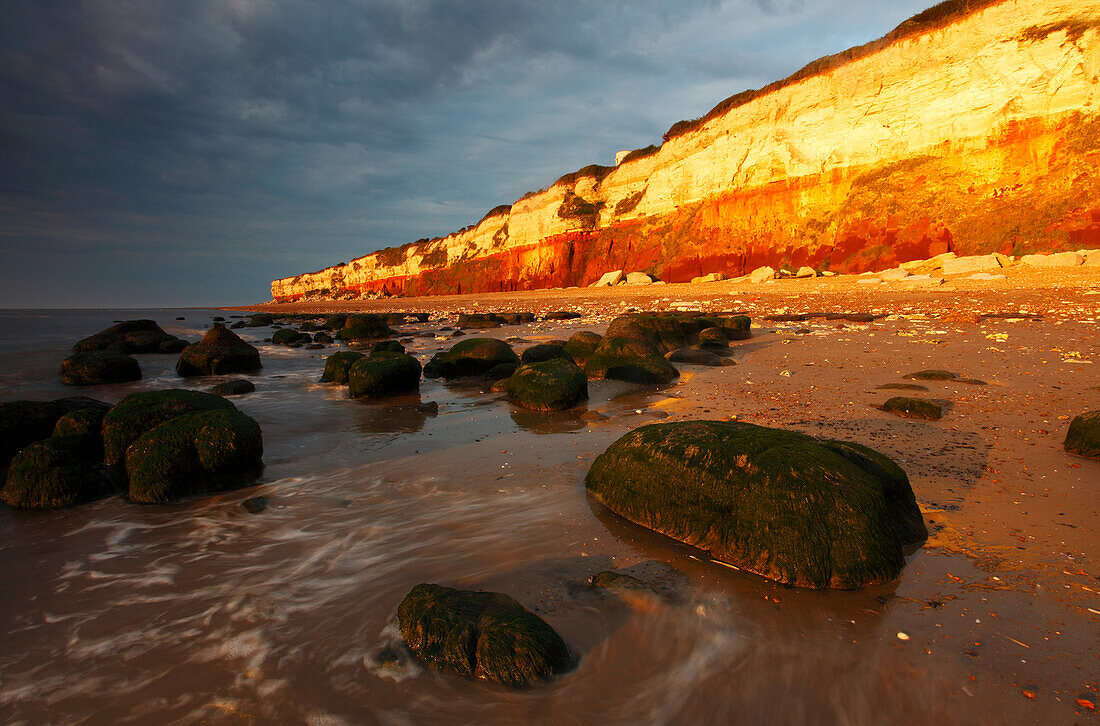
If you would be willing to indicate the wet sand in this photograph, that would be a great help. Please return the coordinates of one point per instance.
(199, 612)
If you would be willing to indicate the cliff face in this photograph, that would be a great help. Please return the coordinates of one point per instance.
(977, 134)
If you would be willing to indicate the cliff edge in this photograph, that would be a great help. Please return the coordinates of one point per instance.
(974, 127)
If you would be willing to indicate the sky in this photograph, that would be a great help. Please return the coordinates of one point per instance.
(160, 153)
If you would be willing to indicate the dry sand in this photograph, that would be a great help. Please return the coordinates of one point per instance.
(1007, 588)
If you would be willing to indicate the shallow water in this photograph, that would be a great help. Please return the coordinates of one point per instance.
(200, 612)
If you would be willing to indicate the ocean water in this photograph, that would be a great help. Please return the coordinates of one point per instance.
(200, 612)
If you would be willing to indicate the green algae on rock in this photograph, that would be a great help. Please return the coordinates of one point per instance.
(235, 387)
(383, 374)
(795, 509)
(337, 366)
(365, 327)
(24, 422)
(581, 346)
(470, 357)
(483, 635)
(60, 471)
(137, 413)
(96, 367)
(1083, 437)
(544, 351)
(914, 408)
(550, 385)
(289, 336)
(192, 454)
(387, 346)
(220, 351)
(629, 360)
(132, 336)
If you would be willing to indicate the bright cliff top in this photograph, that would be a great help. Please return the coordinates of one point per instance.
(974, 128)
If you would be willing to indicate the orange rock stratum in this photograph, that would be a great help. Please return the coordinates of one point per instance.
(973, 127)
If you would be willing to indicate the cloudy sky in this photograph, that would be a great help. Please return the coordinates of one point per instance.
(158, 153)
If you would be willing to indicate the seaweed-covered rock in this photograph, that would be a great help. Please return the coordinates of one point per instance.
(501, 371)
(483, 635)
(96, 367)
(365, 327)
(337, 366)
(235, 387)
(86, 421)
(23, 422)
(192, 454)
(544, 351)
(914, 408)
(734, 327)
(1083, 437)
(516, 318)
(140, 412)
(289, 336)
(132, 336)
(260, 320)
(479, 320)
(795, 509)
(629, 360)
(697, 357)
(664, 333)
(335, 322)
(470, 357)
(323, 339)
(57, 472)
(387, 346)
(581, 345)
(932, 375)
(561, 315)
(713, 339)
(219, 352)
(383, 374)
(549, 385)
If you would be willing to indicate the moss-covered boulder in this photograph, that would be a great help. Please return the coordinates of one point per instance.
(624, 359)
(713, 339)
(130, 337)
(335, 322)
(479, 320)
(561, 315)
(97, 367)
(365, 327)
(323, 339)
(337, 366)
(734, 327)
(235, 387)
(663, 333)
(582, 345)
(795, 509)
(908, 407)
(482, 635)
(140, 412)
(383, 374)
(544, 351)
(260, 320)
(192, 454)
(24, 422)
(289, 336)
(501, 371)
(550, 385)
(1083, 437)
(219, 352)
(60, 471)
(516, 318)
(470, 357)
(387, 346)
(86, 421)
(932, 375)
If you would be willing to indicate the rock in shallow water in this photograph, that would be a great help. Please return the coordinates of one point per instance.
(220, 351)
(629, 360)
(138, 413)
(337, 366)
(471, 357)
(485, 635)
(550, 385)
(383, 374)
(795, 509)
(132, 336)
(58, 472)
(98, 367)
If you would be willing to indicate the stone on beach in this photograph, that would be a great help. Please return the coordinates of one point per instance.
(130, 337)
(235, 387)
(289, 336)
(338, 364)
(470, 357)
(795, 509)
(933, 374)
(761, 274)
(712, 277)
(550, 385)
(1083, 437)
(98, 367)
(697, 357)
(24, 422)
(626, 359)
(973, 263)
(908, 407)
(60, 471)
(365, 327)
(220, 351)
(581, 345)
(638, 278)
(483, 635)
(138, 413)
(609, 279)
(1061, 259)
(383, 374)
(544, 351)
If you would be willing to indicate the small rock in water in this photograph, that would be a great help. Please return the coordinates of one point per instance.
(429, 407)
(255, 505)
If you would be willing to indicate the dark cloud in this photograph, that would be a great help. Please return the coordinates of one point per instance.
(212, 145)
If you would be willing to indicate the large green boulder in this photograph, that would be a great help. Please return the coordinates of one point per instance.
(140, 412)
(630, 360)
(544, 351)
(219, 352)
(289, 336)
(734, 327)
(60, 471)
(132, 336)
(24, 422)
(795, 509)
(383, 374)
(83, 422)
(337, 366)
(582, 345)
(387, 346)
(1084, 435)
(664, 333)
(365, 327)
(551, 385)
(470, 357)
(484, 635)
(192, 454)
(713, 339)
(98, 367)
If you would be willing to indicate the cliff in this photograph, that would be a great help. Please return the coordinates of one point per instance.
(973, 127)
